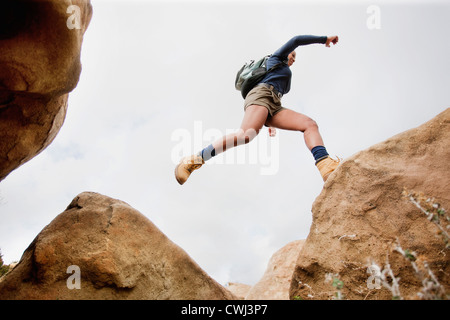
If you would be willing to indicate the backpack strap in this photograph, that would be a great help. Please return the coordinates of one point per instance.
(275, 66)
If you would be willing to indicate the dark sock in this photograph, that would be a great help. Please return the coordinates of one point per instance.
(208, 152)
(319, 153)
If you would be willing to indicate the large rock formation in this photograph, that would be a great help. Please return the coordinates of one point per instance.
(361, 218)
(240, 290)
(276, 281)
(112, 252)
(40, 45)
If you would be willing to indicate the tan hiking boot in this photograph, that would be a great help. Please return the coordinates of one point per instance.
(188, 164)
(326, 166)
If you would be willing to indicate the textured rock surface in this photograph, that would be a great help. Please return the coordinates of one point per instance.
(361, 213)
(120, 255)
(276, 281)
(240, 290)
(40, 45)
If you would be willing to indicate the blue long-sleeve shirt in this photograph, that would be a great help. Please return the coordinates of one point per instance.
(280, 78)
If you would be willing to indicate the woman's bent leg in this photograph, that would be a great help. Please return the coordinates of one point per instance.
(290, 120)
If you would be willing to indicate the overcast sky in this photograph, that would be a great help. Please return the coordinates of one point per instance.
(158, 83)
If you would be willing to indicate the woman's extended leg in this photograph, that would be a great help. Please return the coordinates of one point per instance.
(254, 118)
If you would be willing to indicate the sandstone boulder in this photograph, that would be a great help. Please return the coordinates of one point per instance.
(361, 218)
(112, 252)
(40, 45)
(240, 290)
(276, 281)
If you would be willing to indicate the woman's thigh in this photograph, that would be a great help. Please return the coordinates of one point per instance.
(254, 118)
(288, 119)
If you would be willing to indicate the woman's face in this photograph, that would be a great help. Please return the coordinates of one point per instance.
(291, 58)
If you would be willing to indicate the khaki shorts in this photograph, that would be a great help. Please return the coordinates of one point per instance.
(263, 96)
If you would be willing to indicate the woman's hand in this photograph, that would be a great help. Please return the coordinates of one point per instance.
(332, 39)
(272, 132)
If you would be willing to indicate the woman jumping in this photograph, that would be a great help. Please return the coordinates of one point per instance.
(262, 106)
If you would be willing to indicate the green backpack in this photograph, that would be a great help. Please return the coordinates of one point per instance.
(251, 74)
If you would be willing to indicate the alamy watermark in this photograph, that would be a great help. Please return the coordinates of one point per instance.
(262, 151)
(74, 20)
(73, 281)
(374, 280)
(373, 21)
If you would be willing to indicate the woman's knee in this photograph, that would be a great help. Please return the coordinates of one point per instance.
(311, 125)
(245, 136)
